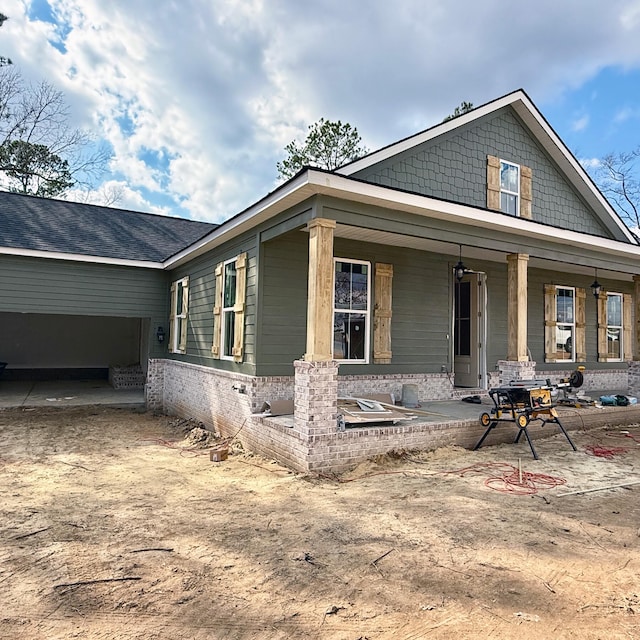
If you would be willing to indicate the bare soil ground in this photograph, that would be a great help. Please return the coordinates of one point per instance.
(115, 526)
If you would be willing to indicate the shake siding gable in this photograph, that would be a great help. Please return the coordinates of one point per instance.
(454, 167)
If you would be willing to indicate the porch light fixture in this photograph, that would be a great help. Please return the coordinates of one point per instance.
(459, 270)
(160, 335)
(596, 287)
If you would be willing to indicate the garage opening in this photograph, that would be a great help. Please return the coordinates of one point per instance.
(69, 347)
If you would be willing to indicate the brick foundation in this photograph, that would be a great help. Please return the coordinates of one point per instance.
(312, 441)
(511, 370)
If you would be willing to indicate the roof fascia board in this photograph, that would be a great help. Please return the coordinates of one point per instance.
(429, 134)
(291, 193)
(318, 182)
(350, 189)
(541, 129)
(556, 148)
(77, 257)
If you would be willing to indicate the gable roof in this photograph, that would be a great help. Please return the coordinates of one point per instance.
(540, 130)
(31, 224)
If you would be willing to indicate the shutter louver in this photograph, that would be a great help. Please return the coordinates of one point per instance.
(182, 347)
(627, 327)
(217, 313)
(493, 183)
(550, 323)
(603, 347)
(525, 192)
(172, 316)
(382, 313)
(239, 307)
(581, 324)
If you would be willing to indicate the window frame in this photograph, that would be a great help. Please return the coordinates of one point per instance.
(365, 312)
(230, 309)
(508, 192)
(572, 324)
(620, 327)
(179, 318)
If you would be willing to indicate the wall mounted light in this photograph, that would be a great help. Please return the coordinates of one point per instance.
(459, 270)
(596, 287)
(160, 335)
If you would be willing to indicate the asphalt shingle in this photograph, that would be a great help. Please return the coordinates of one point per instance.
(41, 224)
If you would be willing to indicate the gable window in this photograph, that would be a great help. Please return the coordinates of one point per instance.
(178, 316)
(564, 320)
(351, 310)
(229, 309)
(509, 188)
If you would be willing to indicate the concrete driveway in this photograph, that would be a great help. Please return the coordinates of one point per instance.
(66, 393)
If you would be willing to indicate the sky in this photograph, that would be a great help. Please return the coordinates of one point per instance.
(196, 99)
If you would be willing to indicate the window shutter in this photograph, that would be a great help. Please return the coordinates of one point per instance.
(525, 192)
(182, 347)
(603, 347)
(493, 183)
(627, 327)
(172, 316)
(217, 313)
(581, 324)
(549, 323)
(239, 307)
(382, 314)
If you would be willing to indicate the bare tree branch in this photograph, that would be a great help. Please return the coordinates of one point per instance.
(618, 176)
(38, 117)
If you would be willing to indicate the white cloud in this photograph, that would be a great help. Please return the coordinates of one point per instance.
(590, 163)
(198, 98)
(580, 124)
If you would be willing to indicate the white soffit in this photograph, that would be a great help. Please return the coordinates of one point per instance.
(451, 249)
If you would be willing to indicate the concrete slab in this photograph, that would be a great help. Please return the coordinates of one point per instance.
(66, 393)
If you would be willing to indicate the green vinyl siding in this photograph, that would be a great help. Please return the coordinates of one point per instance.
(283, 309)
(421, 305)
(44, 286)
(201, 272)
(537, 278)
(453, 166)
(496, 309)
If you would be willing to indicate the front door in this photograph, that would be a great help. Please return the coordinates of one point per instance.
(467, 331)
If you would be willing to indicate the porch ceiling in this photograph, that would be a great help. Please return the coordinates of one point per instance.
(450, 249)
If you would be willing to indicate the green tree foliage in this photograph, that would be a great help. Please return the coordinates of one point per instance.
(618, 176)
(33, 169)
(4, 61)
(459, 111)
(328, 145)
(40, 153)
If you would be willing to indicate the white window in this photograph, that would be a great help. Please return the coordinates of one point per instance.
(509, 188)
(614, 326)
(352, 284)
(229, 288)
(178, 317)
(565, 346)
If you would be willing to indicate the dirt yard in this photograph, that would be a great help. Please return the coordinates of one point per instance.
(115, 526)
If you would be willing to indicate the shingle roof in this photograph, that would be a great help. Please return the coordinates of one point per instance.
(27, 222)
